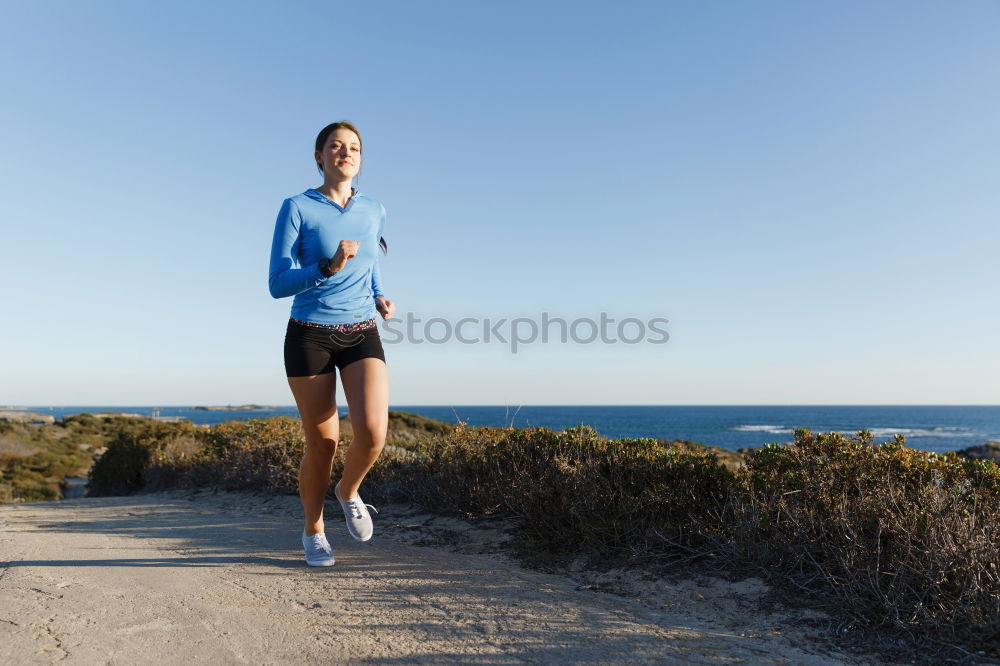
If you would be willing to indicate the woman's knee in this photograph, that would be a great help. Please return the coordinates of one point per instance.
(322, 443)
(373, 430)
(322, 431)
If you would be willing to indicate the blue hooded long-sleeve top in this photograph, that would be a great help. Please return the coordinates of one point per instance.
(309, 228)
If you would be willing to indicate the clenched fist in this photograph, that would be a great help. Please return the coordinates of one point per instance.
(346, 250)
(385, 307)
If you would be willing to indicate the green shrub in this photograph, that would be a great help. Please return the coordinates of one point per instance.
(35, 472)
(258, 454)
(571, 491)
(121, 469)
(898, 538)
(26, 479)
(82, 421)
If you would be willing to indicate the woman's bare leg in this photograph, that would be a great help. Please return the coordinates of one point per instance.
(316, 399)
(366, 386)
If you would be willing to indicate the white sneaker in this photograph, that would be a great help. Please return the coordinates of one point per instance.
(318, 551)
(359, 521)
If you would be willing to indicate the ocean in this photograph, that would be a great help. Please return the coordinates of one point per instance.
(935, 428)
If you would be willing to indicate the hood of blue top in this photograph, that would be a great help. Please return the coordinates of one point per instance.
(312, 193)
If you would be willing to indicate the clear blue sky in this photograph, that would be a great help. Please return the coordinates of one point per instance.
(807, 191)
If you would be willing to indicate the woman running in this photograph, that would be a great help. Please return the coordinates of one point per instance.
(324, 253)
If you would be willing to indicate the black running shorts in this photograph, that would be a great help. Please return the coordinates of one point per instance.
(315, 351)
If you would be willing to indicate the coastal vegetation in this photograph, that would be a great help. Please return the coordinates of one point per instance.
(35, 460)
(887, 539)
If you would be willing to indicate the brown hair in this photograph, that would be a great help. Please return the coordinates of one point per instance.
(321, 138)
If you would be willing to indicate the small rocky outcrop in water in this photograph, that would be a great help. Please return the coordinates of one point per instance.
(988, 451)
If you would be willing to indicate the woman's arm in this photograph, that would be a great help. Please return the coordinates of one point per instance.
(376, 270)
(376, 279)
(285, 276)
(385, 307)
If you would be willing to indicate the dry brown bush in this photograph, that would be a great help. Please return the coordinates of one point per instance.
(896, 540)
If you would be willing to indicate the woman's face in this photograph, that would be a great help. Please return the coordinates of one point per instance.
(341, 154)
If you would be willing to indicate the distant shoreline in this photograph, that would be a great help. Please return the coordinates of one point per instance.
(236, 408)
(934, 429)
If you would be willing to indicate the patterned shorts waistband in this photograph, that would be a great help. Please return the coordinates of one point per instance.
(342, 328)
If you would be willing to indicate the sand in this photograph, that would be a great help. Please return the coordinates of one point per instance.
(203, 577)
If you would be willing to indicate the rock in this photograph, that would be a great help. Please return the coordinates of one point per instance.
(988, 451)
(28, 417)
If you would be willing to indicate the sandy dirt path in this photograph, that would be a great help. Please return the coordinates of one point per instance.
(182, 577)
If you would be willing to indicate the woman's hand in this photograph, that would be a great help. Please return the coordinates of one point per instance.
(346, 250)
(385, 307)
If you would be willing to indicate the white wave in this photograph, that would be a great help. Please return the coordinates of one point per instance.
(879, 432)
(943, 431)
(773, 429)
